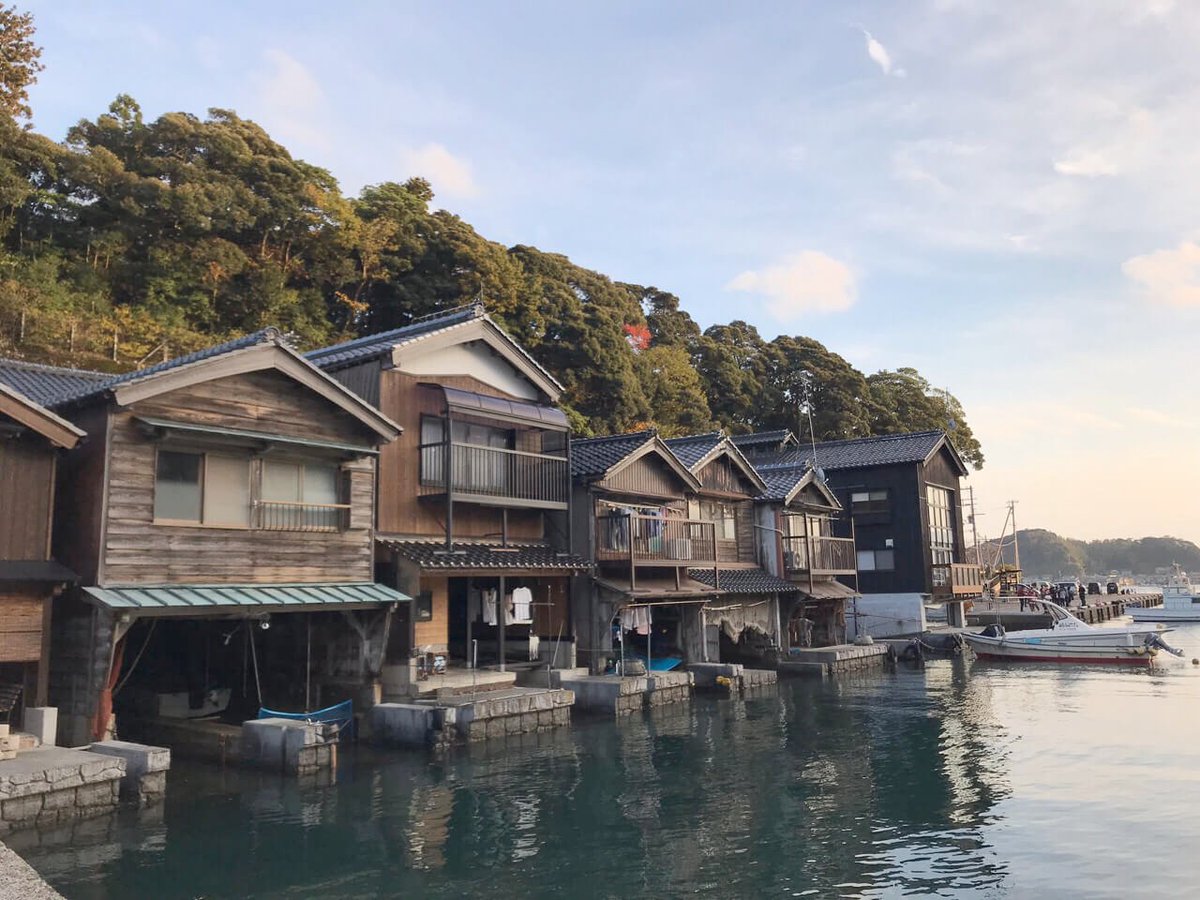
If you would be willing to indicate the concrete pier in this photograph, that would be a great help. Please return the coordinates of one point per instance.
(459, 720)
(53, 784)
(834, 660)
(145, 779)
(1100, 608)
(730, 678)
(288, 745)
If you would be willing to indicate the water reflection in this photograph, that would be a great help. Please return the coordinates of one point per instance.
(876, 784)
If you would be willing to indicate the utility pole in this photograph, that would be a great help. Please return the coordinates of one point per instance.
(1012, 512)
(974, 528)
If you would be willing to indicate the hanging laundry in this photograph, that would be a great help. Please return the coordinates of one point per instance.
(636, 618)
(489, 607)
(522, 604)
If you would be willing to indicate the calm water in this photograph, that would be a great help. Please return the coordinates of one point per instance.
(962, 779)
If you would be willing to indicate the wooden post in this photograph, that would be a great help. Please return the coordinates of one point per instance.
(448, 475)
(470, 621)
(501, 612)
(632, 556)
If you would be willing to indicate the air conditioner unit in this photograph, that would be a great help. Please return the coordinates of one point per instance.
(678, 548)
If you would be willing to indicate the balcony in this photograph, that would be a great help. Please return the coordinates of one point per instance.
(495, 476)
(819, 555)
(954, 580)
(634, 539)
(271, 515)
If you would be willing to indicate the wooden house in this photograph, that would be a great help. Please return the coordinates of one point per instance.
(471, 512)
(745, 623)
(903, 495)
(31, 439)
(219, 517)
(634, 516)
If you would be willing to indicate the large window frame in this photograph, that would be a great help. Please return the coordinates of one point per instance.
(870, 502)
(939, 503)
(876, 560)
(262, 513)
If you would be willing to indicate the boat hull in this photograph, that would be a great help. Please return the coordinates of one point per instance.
(1067, 652)
(1159, 614)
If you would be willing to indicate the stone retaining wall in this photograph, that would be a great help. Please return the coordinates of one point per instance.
(53, 785)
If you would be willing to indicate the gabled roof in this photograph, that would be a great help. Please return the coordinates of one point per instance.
(760, 440)
(697, 450)
(783, 485)
(862, 453)
(744, 581)
(472, 321)
(265, 349)
(44, 384)
(56, 430)
(594, 459)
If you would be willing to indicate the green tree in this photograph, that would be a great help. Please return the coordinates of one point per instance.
(20, 61)
(903, 401)
(674, 391)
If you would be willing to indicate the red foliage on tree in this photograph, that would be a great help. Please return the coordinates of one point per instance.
(638, 337)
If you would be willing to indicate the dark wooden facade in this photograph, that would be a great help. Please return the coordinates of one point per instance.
(902, 525)
(30, 441)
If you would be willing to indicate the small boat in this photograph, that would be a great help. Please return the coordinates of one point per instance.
(1070, 640)
(1181, 602)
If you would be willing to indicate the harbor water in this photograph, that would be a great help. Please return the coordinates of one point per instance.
(962, 778)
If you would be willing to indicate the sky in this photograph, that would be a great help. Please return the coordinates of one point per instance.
(1003, 194)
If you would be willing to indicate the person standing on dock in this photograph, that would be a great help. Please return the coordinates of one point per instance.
(1082, 595)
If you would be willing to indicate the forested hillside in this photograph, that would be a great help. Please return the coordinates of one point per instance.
(1045, 554)
(133, 240)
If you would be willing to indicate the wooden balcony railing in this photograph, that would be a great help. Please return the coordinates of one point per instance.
(496, 475)
(641, 540)
(273, 515)
(957, 580)
(819, 555)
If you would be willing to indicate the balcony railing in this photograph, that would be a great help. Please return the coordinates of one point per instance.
(496, 475)
(957, 580)
(819, 555)
(272, 515)
(643, 540)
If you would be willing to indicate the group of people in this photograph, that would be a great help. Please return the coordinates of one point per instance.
(1062, 594)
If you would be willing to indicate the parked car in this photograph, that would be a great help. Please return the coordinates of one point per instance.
(1094, 587)
(1114, 588)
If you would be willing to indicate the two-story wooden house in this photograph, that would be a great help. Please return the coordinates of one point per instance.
(632, 519)
(31, 437)
(745, 624)
(473, 494)
(903, 495)
(219, 517)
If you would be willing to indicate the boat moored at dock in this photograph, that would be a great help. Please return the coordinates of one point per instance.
(1181, 602)
(1070, 640)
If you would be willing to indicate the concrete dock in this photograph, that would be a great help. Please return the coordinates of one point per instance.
(833, 660)
(1100, 608)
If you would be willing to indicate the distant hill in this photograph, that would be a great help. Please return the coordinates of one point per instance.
(1045, 554)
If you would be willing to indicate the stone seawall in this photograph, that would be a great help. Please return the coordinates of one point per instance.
(54, 785)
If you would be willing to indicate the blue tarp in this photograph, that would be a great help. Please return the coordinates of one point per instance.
(341, 714)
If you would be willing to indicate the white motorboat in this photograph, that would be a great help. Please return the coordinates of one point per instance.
(1070, 640)
(1181, 602)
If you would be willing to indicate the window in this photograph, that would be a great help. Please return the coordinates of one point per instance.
(300, 496)
(220, 490)
(864, 503)
(727, 522)
(203, 488)
(876, 560)
(941, 532)
(476, 467)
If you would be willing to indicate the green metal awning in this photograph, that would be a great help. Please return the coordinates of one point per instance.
(249, 438)
(244, 599)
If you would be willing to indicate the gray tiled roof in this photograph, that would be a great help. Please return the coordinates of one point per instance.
(745, 581)
(694, 447)
(371, 346)
(60, 387)
(780, 482)
(859, 453)
(761, 438)
(430, 554)
(42, 384)
(594, 456)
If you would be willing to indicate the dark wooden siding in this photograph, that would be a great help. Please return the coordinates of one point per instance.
(648, 476)
(904, 524)
(721, 476)
(399, 511)
(79, 497)
(22, 613)
(26, 497)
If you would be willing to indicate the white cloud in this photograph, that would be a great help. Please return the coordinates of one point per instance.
(293, 103)
(1168, 276)
(880, 56)
(1087, 164)
(809, 281)
(450, 175)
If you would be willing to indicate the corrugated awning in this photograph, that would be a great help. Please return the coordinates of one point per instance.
(827, 590)
(658, 589)
(232, 599)
(167, 427)
(516, 411)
